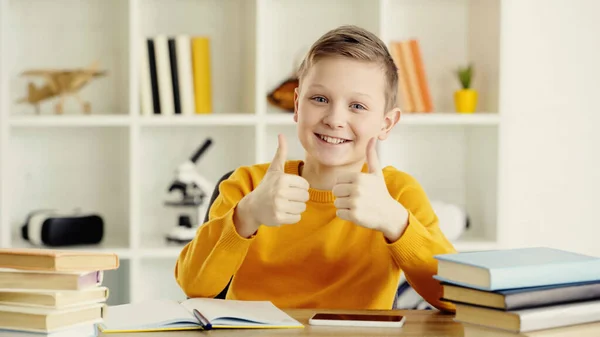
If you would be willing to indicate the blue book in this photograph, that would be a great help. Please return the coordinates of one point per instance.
(516, 268)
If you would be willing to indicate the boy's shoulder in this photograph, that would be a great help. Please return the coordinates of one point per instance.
(397, 180)
(260, 169)
(291, 166)
(252, 174)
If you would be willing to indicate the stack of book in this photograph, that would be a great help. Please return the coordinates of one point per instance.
(46, 292)
(534, 291)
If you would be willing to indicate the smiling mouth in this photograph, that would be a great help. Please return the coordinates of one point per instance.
(332, 140)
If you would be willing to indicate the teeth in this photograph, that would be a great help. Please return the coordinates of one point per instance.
(332, 140)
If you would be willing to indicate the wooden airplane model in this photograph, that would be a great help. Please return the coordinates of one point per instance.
(60, 83)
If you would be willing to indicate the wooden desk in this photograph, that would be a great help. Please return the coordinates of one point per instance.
(422, 323)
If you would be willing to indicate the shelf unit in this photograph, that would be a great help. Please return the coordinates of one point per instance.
(119, 163)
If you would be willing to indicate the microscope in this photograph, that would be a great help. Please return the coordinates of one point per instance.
(189, 189)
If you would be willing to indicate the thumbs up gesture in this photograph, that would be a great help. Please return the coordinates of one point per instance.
(363, 199)
(280, 198)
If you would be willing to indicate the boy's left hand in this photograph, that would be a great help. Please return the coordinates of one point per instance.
(363, 199)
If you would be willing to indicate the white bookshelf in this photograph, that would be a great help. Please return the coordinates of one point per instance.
(119, 163)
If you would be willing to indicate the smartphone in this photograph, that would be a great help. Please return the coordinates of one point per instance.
(357, 320)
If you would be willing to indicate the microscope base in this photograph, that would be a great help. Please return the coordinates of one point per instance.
(181, 234)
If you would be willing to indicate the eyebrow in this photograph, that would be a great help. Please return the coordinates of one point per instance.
(317, 86)
(320, 86)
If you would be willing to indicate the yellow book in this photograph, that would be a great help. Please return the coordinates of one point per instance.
(51, 299)
(56, 260)
(202, 74)
(195, 314)
(49, 320)
(49, 280)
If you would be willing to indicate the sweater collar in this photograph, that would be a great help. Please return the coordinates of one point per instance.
(315, 195)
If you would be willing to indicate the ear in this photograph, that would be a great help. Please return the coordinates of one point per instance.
(296, 96)
(390, 119)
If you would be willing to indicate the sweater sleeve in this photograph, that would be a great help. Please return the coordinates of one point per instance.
(422, 239)
(207, 263)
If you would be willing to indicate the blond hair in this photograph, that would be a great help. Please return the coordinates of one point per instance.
(359, 44)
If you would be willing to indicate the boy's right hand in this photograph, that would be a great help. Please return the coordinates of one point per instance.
(280, 198)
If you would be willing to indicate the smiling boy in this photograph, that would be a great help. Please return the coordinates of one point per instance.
(334, 230)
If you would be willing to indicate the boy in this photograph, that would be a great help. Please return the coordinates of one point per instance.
(334, 230)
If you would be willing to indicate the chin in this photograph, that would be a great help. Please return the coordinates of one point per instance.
(331, 161)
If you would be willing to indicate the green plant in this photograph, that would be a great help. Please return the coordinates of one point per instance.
(465, 75)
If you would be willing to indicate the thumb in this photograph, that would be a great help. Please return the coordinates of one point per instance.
(372, 158)
(278, 163)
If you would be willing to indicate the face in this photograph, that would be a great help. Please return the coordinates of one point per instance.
(339, 106)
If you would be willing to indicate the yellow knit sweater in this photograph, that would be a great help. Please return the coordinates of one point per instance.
(320, 262)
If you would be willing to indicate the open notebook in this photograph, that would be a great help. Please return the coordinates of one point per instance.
(195, 314)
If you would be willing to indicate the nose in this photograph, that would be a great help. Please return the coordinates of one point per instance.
(335, 117)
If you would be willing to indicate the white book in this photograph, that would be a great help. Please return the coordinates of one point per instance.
(53, 299)
(84, 330)
(146, 107)
(578, 330)
(163, 71)
(46, 320)
(184, 67)
(533, 319)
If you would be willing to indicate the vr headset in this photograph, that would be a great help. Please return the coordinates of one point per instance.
(51, 228)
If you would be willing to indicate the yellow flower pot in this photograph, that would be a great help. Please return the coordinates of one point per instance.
(465, 100)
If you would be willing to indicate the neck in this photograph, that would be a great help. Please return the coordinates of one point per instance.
(322, 177)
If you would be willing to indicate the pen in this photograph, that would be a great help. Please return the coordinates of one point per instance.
(203, 321)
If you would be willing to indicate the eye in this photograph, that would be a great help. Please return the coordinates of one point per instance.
(319, 99)
(358, 106)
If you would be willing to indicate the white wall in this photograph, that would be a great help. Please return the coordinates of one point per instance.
(550, 85)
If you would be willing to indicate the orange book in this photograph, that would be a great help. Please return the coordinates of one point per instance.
(57, 260)
(404, 97)
(202, 74)
(421, 75)
(413, 83)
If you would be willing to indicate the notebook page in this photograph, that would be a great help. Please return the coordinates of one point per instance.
(147, 315)
(262, 312)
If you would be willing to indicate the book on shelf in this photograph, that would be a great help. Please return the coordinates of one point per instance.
(183, 48)
(175, 75)
(202, 74)
(195, 314)
(163, 73)
(413, 87)
(150, 99)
